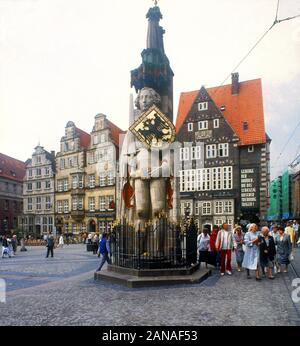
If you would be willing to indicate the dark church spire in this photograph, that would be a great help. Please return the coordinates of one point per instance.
(155, 71)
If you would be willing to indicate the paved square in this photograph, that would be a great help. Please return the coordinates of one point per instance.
(62, 291)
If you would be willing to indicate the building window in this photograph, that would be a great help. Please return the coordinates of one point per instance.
(223, 149)
(80, 181)
(59, 207)
(62, 163)
(202, 106)
(211, 151)
(66, 206)
(60, 185)
(74, 203)
(218, 207)
(30, 173)
(47, 171)
(29, 187)
(206, 208)
(196, 153)
(38, 203)
(66, 184)
(217, 178)
(181, 181)
(92, 181)
(203, 125)
(102, 179)
(245, 125)
(190, 127)
(91, 203)
(227, 178)
(250, 148)
(102, 203)
(48, 202)
(91, 158)
(228, 207)
(109, 200)
(95, 139)
(216, 123)
(185, 206)
(184, 154)
(197, 208)
(38, 172)
(110, 178)
(75, 182)
(29, 203)
(219, 222)
(38, 185)
(48, 184)
(80, 203)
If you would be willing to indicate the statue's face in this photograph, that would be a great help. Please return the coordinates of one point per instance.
(146, 99)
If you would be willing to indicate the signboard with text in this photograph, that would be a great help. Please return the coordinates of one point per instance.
(249, 188)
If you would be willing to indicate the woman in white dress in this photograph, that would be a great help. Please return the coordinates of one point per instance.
(61, 241)
(251, 256)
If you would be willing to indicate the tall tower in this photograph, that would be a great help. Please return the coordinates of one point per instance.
(155, 71)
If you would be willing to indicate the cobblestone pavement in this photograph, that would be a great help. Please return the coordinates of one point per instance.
(61, 291)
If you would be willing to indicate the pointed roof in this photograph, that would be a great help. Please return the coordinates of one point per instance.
(85, 138)
(241, 108)
(11, 168)
(115, 132)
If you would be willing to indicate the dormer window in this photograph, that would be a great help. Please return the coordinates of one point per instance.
(202, 106)
(190, 127)
(222, 108)
(245, 125)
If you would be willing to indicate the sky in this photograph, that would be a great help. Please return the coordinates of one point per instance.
(64, 60)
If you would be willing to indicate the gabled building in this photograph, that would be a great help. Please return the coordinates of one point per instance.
(225, 157)
(12, 172)
(70, 180)
(38, 193)
(101, 170)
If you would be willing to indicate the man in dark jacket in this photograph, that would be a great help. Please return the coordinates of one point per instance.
(267, 251)
(104, 250)
(50, 245)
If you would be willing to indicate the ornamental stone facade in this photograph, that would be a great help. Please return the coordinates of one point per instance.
(38, 193)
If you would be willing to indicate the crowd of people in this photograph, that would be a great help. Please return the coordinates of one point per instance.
(266, 251)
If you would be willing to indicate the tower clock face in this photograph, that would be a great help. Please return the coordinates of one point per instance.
(153, 128)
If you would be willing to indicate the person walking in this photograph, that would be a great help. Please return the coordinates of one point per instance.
(296, 229)
(204, 248)
(61, 241)
(284, 248)
(238, 241)
(274, 233)
(214, 253)
(251, 256)
(267, 251)
(224, 243)
(289, 230)
(14, 244)
(5, 247)
(50, 245)
(104, 250)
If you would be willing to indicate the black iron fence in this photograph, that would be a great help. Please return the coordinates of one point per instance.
(158, 246)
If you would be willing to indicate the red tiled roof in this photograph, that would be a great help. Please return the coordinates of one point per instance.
(246, 106)
(85, 138)
(11, 168)
(115, 132)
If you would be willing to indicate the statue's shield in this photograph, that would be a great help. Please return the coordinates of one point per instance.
(153, 128)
